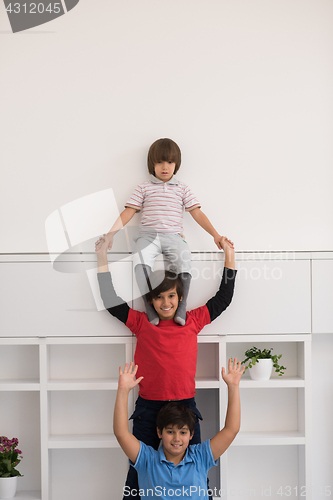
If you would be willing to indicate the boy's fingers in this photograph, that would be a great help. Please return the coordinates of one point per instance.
(126, 368)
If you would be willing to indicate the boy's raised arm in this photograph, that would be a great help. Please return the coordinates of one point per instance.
(225, 437)
(205, 223)
(229, 252)
(129, 443)
(112, 303)
(222, 299)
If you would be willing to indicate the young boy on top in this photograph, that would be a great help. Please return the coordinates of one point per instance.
(161, 201)
(166, 353)
(176, 469)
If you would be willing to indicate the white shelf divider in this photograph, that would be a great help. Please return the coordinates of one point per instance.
(82, 441)
(269, 438)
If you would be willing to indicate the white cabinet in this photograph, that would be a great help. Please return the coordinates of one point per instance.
(273, 446)
(59, 361)
(20, 407)
(37, 300)
(57, 396)
(275, 414)
(271, 296)
(65, 388)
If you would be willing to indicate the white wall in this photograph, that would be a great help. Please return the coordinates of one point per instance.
(244, 87)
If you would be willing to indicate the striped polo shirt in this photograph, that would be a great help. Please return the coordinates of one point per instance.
(162, 204)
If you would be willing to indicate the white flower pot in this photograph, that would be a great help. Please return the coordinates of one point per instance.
(262, 370)
(8, 487)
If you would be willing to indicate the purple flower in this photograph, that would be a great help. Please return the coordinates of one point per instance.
(10, 457)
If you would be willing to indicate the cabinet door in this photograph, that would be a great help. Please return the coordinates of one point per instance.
(270, 297)
(322, 296)
(36, 300)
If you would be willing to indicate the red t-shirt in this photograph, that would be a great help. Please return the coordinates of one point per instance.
(166, 354)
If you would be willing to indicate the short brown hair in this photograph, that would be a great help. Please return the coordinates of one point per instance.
(162, 281)
(175, 414)
(163, 150)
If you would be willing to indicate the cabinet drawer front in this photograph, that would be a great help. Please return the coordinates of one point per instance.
(270, 297)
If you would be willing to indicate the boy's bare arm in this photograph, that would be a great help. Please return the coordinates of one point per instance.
(125, 216)
(229, 252)
(223, 439)
(129, 443)
(205, 223)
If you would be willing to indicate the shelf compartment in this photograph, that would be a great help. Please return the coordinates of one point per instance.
(20, 417)
(207, 364)
(19, 363)
(85, 361)
(82, 441)
(207, 401)
(81, 412)
(87, 474)
(266, 409)
(292, 356)
(267, 472)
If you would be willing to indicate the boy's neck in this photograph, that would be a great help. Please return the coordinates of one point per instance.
(174, 460)
(168, 319)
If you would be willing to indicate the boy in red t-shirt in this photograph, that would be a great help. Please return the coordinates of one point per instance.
(167, 348)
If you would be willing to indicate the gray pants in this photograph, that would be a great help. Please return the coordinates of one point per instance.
(173, 246)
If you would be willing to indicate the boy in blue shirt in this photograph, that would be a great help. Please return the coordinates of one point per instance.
(176, 469)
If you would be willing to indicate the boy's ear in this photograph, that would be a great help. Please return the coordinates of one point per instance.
(159, 433)
(191, 436)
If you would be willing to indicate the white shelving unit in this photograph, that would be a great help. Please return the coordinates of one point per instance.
(76, 411)
(57, 391)
(275, 413)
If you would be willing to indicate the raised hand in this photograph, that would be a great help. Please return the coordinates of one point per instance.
(225, 243)
(235, 371)
(127, 380)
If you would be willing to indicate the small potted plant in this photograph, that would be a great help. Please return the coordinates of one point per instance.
(261, 363)
(10, 457)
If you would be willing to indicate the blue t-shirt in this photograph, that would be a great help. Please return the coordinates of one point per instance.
(163, 480)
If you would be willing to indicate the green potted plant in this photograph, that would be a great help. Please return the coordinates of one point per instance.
(10, 457)
(261, 363)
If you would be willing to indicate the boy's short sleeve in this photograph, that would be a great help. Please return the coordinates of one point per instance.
(203, 455)
(134, 321)
(190, 201)
(146, 457)
(136, 199)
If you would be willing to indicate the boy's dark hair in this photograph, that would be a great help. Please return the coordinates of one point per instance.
(163, 150)
(175, 414)
(162, 281)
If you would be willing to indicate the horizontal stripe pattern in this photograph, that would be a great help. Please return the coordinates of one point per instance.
(162, 205)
